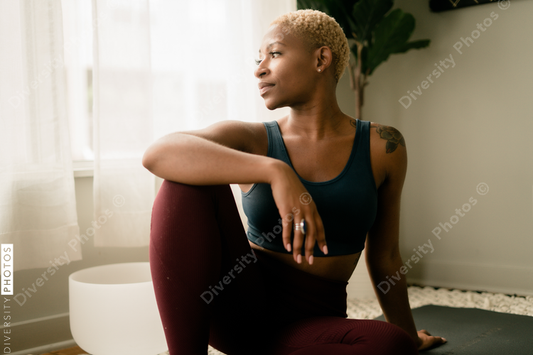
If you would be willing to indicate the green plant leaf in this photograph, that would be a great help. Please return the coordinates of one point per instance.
(381, 32)
(320, 5)
(366, 14)
(390, 35)
(423, 43)
(340, 10)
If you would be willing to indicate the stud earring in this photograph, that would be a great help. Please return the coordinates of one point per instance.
(319, 70)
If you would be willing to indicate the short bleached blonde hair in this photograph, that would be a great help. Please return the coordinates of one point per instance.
(319, 29)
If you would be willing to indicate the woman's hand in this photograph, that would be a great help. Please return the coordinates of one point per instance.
(426, 340)
(295, 204)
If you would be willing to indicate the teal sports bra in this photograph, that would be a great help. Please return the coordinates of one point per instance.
(347, 204)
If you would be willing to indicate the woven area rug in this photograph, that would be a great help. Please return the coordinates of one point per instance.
(418, 297)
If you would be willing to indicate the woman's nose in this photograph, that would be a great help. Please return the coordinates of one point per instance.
(260, 71)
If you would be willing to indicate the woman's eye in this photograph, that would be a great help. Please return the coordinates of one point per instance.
(273, 54)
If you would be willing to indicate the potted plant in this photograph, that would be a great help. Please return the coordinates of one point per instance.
(374, 32)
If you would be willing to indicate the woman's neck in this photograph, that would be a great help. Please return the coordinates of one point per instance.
(316, 121)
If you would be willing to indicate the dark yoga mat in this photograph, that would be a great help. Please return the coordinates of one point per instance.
(475, 331)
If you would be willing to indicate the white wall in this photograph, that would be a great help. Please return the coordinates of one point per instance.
(471, 125)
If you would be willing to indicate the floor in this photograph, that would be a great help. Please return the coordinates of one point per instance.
(418, 297)
(70, 351)
(421, 296)
(76, 350)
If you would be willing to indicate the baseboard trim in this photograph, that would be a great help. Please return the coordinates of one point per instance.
(47, 348)
(39, 335)
(510, 280)
(36, 320)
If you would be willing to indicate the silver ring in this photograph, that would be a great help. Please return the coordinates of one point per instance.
(301, 227)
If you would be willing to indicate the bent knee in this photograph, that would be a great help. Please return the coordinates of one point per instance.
(177, 196)
(177, 188)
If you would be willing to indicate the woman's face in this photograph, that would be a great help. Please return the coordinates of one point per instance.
(287, 71)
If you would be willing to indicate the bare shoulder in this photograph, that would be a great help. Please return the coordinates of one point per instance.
(388, 136)
(249, 137)
(388, 151)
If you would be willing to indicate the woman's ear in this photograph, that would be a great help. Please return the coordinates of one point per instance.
(324, 58)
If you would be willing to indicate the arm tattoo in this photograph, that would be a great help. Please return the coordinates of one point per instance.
(392, 136)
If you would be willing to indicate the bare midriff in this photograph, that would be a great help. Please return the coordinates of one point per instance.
(338, 268)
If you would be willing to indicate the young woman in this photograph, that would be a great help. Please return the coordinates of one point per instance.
(318, 188)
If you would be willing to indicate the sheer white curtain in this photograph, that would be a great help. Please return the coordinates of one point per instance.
(37, 199)
(122, 111)
(162, 66)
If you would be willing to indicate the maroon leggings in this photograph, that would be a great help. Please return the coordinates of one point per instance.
(211, 288)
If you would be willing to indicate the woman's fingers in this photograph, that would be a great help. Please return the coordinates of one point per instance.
(320, 234)
(426, 340)
(287, 221)
(296, 204)
(297, 242)
(307, 232)
(301, 229)
(315, 235)
(310, 239)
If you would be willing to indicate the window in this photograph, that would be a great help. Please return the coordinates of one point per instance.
(78, 58)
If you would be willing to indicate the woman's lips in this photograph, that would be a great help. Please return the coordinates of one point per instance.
(264, 87)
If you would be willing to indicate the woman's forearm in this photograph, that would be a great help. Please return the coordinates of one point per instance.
(391, 290)
(194, 160)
